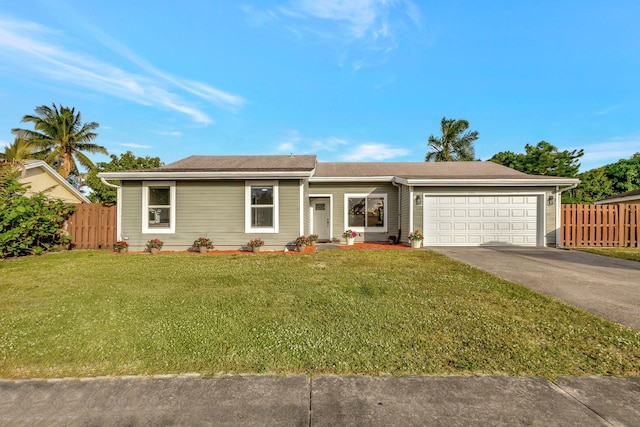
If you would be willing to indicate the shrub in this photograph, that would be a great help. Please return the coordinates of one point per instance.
(30, 225)
(255, 243)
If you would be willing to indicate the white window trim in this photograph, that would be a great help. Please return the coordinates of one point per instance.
(145, 207)
(366, 229)
(247, 207)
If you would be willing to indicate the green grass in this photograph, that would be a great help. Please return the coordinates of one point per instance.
(89, 313)
(632, 254)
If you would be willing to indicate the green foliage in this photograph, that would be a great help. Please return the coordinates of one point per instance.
(127, 161)
(594, 185)
(29, 225)
(615, 178)
(542, 159)
(454, 144)
(624, 174)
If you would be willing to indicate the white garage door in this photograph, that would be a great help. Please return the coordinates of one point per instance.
(465, 220)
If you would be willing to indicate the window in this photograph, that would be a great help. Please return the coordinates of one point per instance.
(366, 212)
(158, 207)
(261, 214)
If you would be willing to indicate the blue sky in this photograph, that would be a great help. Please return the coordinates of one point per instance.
(359, 80)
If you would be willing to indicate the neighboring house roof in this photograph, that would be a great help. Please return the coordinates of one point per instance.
(43, 178)
(306, 166)
(629, 196)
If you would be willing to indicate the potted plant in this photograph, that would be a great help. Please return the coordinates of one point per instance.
(416, 239)
(300, 243)
(154, 245)
(350, 237)
(312, 239)
(255, 245)
(203, 244)
(121, 246)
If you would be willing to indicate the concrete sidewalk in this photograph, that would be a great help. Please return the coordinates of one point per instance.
(322, 401)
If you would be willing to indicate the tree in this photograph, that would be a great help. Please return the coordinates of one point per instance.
(128, 161)
(14, 156)
(594, 185)
(62, 137)
(454, 144)
(625, 174)
(542, 159)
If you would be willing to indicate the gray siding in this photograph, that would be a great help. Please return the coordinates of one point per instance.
(339, 221)
(215, 209)
(549, 210)
(406, 206)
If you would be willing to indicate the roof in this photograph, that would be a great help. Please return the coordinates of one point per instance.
(432, 173)
(621, 198)
(241, 163)
(409, 170)
(307, 167)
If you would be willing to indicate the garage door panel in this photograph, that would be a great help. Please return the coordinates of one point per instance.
(472, 220)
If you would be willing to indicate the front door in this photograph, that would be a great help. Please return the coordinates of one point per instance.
(322, 219)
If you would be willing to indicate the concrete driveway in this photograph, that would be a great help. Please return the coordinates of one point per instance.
(607, 287)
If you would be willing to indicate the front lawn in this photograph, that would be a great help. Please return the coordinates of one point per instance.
(632, 254)
(89, 313)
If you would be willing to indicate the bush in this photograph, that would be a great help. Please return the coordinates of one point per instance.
(29, 225)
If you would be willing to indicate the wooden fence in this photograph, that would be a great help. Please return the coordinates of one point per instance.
(601, 225)
(93, 226)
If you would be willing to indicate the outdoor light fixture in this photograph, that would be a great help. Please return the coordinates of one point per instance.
(550, 200)
(418, 201)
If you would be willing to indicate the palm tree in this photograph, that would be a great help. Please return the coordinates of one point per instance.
(62, 138)
(453, 145)
(15, 154)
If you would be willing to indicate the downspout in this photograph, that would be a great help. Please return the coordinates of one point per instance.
(395, 184)
(558, 206)
(118, 206)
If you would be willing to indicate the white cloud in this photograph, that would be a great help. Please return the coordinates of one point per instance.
(132, 145)
(366, 25)
(374, 152)
(4, 143)
(602, 153)
(169, 133)
(30, 46)
(296, 142)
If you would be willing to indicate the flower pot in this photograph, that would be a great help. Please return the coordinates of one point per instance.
(416, 244)
(154, 251)
(301, 248)
(203, 249)
(314, 243)
(350, 240)
(256, 249)
(122, 250)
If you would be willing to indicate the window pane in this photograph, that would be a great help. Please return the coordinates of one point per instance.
(262, 195)
(375, 212)
(356, 212)
(159, 196)
(159, 217)
(262, 217)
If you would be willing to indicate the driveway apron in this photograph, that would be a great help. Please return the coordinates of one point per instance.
(607, 287)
